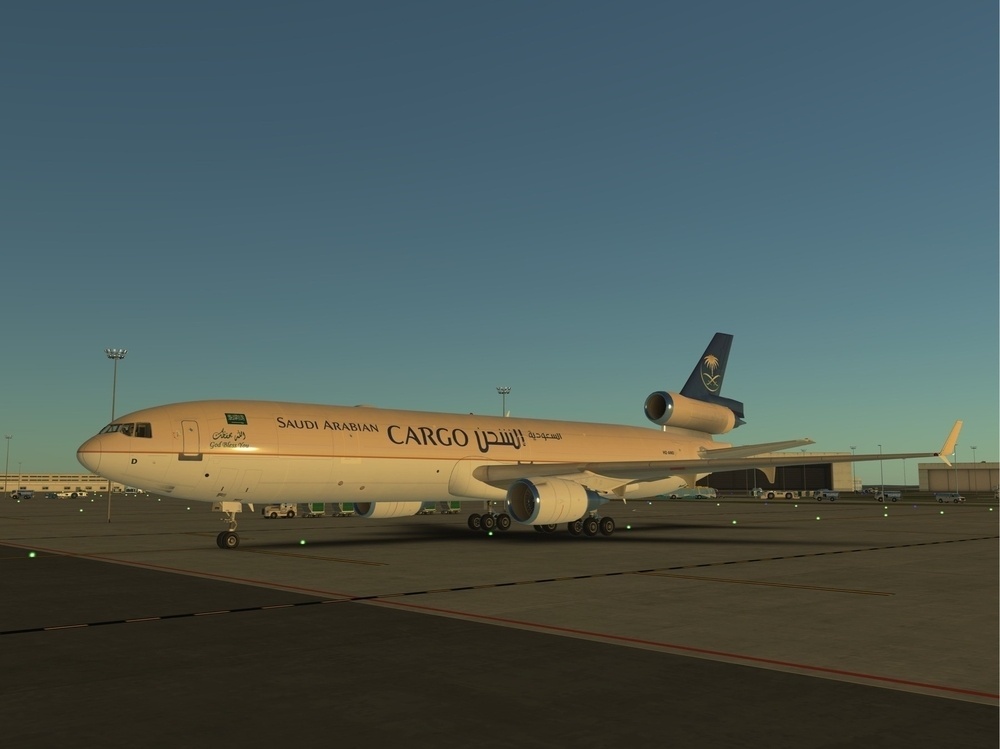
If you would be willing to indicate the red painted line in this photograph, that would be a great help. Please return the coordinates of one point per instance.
(689, 649)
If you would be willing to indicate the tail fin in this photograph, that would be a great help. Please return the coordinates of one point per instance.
(705, 382)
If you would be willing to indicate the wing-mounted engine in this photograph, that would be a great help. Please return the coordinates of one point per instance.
(550, 500)
(386, 509)
(680, 411)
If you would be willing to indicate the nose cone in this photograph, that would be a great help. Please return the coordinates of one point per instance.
(89, 454)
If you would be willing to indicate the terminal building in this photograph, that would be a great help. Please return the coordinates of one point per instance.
(966, 478)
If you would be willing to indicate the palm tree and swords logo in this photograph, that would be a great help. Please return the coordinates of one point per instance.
(709, 378)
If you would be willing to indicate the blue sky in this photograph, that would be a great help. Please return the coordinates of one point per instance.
(408, 204)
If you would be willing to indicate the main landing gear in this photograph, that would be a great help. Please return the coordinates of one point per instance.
(591, 526)
(588, 526)
(229, 539)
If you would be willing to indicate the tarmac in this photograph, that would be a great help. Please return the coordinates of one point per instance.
(700, 623)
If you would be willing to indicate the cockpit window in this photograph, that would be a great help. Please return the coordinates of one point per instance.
(141, 429)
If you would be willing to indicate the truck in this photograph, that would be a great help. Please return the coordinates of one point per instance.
(22, 494)
(887, 496)
(948, 497)
(284, 510)
(822, 494)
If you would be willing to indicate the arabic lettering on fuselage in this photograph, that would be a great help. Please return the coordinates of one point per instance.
(225, 438)
(457, 437)
(545, 435)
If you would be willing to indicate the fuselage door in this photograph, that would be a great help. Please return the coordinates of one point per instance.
(191, 442)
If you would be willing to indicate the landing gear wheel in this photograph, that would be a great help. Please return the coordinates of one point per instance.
(228, 540)
(607, 526)
(475, 521)
(488, 522)
(550, 528)
(575, 528)
(503, 521)
(590, 526)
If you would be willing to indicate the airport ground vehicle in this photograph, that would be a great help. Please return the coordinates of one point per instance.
(694, 492)
(774, 493)
(887, 496)
(822, 494)
(949, 497)
(284, 510)
(22, 494)
(68, 495)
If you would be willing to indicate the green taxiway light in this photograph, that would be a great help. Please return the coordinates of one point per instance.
(302, 542)
(629, 527)
(734, 522)
(817, 517)
(31, 555)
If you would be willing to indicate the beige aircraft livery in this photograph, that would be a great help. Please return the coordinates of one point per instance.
(389, 463)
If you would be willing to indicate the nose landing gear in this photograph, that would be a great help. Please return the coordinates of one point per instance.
(229, 539)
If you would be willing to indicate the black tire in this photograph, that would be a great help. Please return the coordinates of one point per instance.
(503, 521)
(607, 526)
(575, 528)
(488, 522)
(475, 521)
(591, 527)
(273, 515)
(218, 540)
(229, 539)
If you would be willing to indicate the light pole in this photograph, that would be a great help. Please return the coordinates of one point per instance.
(881, 475)
(973, 475)
(854, 480)
(115, 354)
(6, 465)
(503, 392)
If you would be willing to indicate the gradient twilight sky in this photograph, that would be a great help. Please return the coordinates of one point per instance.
(410, 203)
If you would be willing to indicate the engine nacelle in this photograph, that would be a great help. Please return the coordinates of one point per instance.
(547, 501)
(678, 410)
(386, 509)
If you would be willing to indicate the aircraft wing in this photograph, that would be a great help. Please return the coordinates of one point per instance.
(611, 475)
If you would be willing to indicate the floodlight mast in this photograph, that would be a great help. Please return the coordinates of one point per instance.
(115, 354)
(6, 466)
(503, 391)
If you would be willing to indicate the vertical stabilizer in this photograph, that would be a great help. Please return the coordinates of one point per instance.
(705, 382)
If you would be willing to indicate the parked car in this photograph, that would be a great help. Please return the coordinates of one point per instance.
(822, 494)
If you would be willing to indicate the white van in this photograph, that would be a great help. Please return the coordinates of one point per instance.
(694, 492)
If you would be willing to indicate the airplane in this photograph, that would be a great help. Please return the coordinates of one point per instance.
(388, 462)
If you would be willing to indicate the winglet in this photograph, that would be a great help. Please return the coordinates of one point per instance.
(949, 444)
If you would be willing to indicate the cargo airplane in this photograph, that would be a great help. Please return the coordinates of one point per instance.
(388, 463)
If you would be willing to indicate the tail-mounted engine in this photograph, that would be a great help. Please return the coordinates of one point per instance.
(687, 413)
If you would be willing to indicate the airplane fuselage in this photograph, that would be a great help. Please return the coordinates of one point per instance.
(256, 451)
